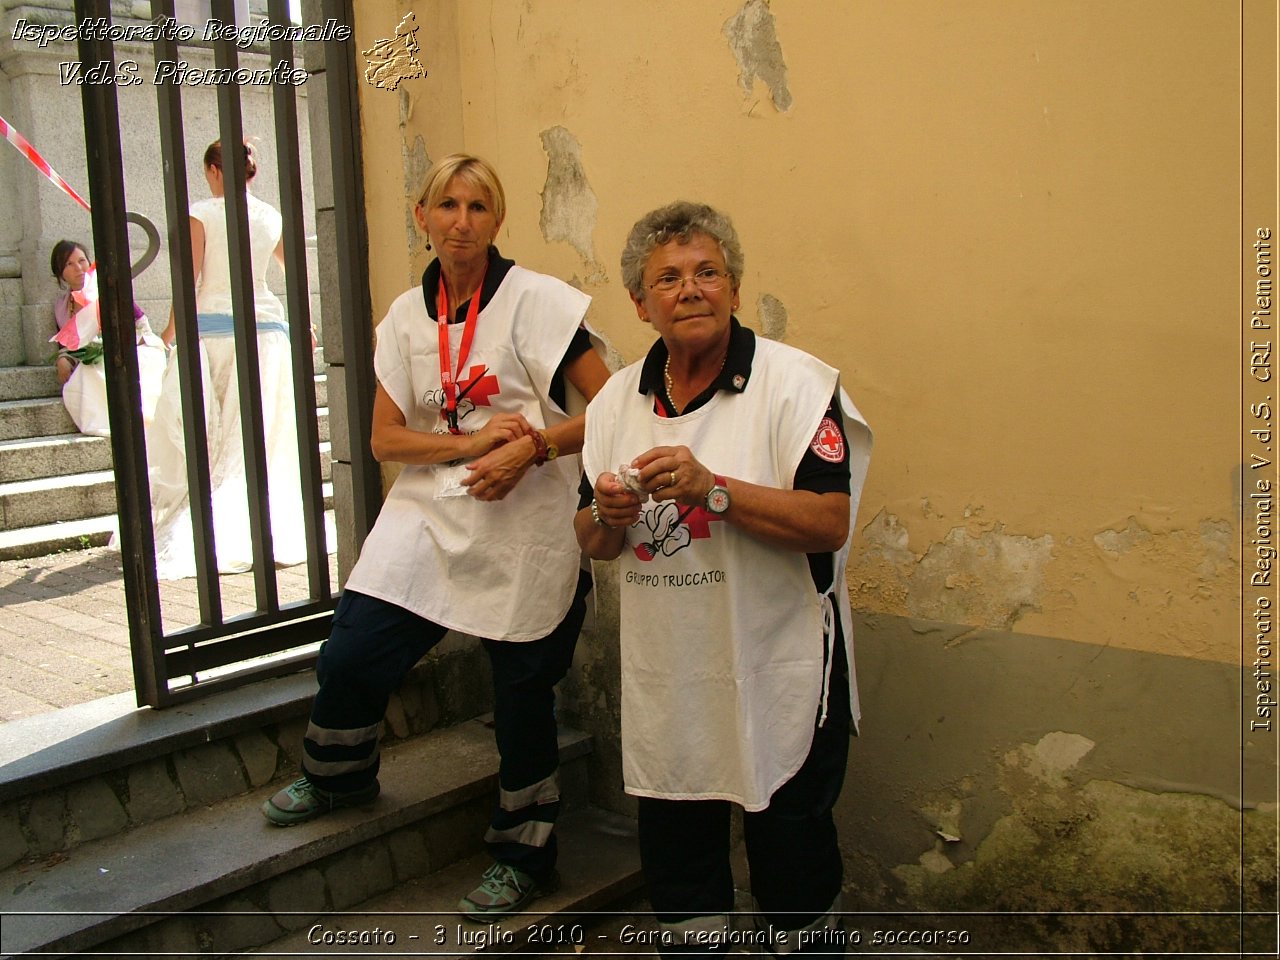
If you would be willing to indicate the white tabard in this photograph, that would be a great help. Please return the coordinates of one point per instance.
(505, 570)
(722, 635)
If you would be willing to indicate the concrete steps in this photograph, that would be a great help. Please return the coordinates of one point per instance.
(96, 531)
(599, 867)
(34, 417)
(28, 383)
(143, 841)
(57, 489)
(31, 458)
(227, 859)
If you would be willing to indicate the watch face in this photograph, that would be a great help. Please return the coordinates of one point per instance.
(718, 500)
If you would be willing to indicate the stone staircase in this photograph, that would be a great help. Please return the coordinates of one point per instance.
(57, 489)
(137, 832)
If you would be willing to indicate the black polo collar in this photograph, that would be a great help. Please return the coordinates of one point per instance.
(493, 277)
(733, 376)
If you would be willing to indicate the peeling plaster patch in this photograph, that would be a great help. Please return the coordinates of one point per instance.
(944, 816)
(936, 862)
(1166, 566)
(568, 202)
(886, 536)
(773, 317)
(1054, 755)
(1109, 848)
(1119, 542)
(994, 578)
(978, 575)
(415, 162)
(1215, 537)
(753, 38)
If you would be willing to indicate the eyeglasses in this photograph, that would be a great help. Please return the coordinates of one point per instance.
(709, 279)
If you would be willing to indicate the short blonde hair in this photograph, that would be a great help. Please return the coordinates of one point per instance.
(475, 170)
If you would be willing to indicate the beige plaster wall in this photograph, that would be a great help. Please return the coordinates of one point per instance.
(1014, 227)
(1011, 225)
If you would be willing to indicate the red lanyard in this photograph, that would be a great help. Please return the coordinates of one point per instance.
(448, 380)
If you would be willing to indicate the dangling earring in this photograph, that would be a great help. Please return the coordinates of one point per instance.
(428, 243)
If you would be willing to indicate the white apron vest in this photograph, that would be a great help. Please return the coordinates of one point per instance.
(505, 570)
(722, 635)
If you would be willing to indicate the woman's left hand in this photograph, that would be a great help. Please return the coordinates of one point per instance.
(496, 474)
(674, 473)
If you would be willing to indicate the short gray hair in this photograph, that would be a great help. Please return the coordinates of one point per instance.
(678, 221)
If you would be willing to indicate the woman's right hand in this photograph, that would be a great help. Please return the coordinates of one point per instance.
(618, 507)
(501, 428)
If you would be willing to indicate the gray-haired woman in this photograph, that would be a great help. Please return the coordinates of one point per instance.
(741, 462)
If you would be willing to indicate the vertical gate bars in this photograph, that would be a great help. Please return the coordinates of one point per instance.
(245, 318)
(298, 308)
(124, 401)
(354, 305)
(218, 641)
(191, 392)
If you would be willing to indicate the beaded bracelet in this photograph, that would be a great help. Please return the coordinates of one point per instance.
(539, 448)
(595, 515)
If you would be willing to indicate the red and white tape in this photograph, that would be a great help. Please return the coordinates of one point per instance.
(39, 162)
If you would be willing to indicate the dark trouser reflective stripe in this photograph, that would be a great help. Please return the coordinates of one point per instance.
(336, 753)
(372, 646)
(546, 790)
(711, 934)
(526, 816)
(521, 833)
(532, 833)
(825, 935)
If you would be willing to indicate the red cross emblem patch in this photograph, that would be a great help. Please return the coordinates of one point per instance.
(828, 442)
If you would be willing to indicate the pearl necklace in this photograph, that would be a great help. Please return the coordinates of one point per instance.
(666, 375)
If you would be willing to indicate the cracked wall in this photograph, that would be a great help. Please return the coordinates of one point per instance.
(967, 214)
(932, 233)
(1118, 586)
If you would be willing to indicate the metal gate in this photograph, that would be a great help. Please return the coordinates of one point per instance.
(227, 650)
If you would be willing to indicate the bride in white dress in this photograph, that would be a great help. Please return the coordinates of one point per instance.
(170, 504)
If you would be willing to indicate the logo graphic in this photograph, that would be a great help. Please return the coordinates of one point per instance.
(390, 61)
(476, 389)
(828, 442)
(671, 529)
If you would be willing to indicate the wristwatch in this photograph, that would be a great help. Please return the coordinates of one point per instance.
(718, 496)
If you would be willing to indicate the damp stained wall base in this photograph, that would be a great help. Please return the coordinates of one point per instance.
(1005, 772)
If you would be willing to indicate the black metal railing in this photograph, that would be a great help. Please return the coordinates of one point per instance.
(277, 637)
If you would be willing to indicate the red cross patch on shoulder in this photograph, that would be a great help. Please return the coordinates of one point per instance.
(828, 442)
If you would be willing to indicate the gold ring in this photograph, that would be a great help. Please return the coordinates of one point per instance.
(673, 479)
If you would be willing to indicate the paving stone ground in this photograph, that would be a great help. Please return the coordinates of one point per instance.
(64, 627)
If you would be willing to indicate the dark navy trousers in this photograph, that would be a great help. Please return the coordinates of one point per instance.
(370, 650)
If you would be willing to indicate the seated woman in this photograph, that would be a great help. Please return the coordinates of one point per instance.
(79, 339)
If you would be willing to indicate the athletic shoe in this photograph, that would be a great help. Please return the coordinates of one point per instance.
(504, 889)
(302, 800)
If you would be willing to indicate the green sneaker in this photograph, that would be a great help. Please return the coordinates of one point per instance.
(504, 889)
(302, 800)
